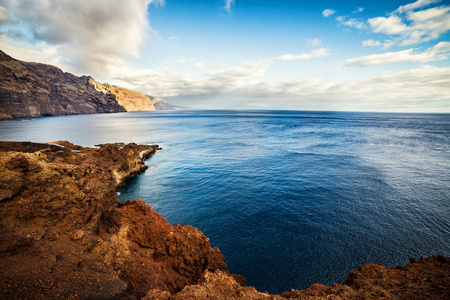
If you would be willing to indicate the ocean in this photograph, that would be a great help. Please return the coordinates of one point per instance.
(290, 198)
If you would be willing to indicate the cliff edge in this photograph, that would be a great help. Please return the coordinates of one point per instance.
(30, 89)
(65, 235)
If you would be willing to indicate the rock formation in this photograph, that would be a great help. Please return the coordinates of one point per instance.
(32, 90)
(64, 235)
(5, 117)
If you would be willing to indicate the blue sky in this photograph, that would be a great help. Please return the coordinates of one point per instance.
(244, 54)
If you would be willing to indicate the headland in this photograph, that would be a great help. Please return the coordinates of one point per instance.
(64, 234)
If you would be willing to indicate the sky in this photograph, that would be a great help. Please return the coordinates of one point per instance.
(387, 55)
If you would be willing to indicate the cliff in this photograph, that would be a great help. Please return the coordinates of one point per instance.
(64, 235)
(132, 101)
(32, 90)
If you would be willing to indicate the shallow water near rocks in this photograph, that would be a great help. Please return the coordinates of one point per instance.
(290, 198)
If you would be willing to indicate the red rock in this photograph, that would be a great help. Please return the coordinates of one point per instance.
(64, 235)
(63, 231)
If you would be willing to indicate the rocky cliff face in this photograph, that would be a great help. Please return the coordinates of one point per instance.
(64, 235)
(33, 89)
(131, 100)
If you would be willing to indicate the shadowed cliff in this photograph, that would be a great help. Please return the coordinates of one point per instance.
(32, 89)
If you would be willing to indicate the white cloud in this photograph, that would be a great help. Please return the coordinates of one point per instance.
(409, 24)
(328, 12)
(358, 10)
(426, 88)
(438, 52)
(352, 22)
(174, 38)
(417, 90)
(89, 35)
(321, 52)
(371, 43)
(228, 4)
(409, 27)
(49, 55)
(388, 44)
(423, 89)
(415, 5)
(166, 83)
(391, 25)
(247, 70)
(314, 42)
(3, 14)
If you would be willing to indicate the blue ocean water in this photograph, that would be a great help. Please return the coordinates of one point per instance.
(290, 198)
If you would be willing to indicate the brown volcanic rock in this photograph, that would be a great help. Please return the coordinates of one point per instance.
(130, 100)
(32, 90)
(427, 278)
(170, 257)
(64, 234)
(218, 285)
(5, 117)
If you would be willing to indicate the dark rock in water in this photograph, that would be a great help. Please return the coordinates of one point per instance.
(64, 235)
(33, 90)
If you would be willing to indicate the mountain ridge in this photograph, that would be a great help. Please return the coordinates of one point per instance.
(29, 89)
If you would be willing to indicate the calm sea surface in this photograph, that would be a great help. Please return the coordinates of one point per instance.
(290, 198)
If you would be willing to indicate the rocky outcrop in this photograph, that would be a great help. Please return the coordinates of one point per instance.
(33, 90)
(130, 100)
(64, 235)
(427, 278)
(5, 117)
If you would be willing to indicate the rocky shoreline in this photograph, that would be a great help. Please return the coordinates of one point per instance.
(65, 235)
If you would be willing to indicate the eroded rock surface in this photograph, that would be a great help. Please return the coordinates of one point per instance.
(64, 235)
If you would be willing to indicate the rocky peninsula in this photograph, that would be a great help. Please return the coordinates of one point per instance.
(30, 89)
(65, 235)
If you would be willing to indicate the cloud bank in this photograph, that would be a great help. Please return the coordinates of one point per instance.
(88, 35)
(418, 90)
(440, 51)
(408, 26)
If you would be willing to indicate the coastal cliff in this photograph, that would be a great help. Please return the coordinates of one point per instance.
(65, 235)
(32, 89)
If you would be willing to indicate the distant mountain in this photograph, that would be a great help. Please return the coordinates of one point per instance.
(30, 89)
